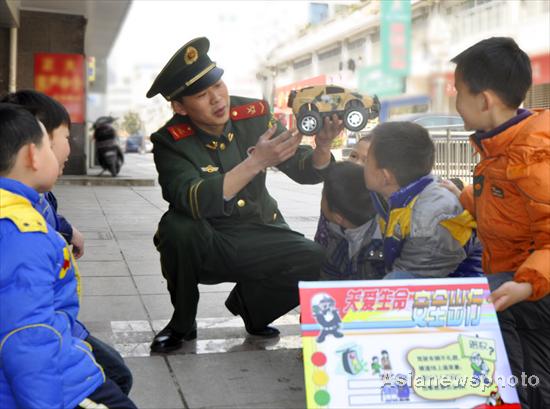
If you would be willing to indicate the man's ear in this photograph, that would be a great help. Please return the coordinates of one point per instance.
(178, 108)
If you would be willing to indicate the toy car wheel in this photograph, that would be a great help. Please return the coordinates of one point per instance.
(355, 118)
(309, 123)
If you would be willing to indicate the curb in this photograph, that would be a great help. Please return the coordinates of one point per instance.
(86, 180)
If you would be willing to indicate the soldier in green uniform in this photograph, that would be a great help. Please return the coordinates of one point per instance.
(222, 225)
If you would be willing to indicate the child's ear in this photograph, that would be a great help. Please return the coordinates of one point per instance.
(389, 178)
(339, 219)
(32, 156)
(486, 100)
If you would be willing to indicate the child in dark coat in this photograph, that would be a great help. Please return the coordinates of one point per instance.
(352, 241)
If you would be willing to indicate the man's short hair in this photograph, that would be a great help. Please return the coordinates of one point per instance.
(18, 127)
(346, 193)
(48, 111)
(405, 149)
(499, 65)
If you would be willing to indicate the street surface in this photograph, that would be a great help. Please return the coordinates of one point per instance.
(125, 301)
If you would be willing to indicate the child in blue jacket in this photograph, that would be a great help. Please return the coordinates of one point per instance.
(43, 364)
(57, 122)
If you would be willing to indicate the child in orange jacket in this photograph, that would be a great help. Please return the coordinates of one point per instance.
(510, 201)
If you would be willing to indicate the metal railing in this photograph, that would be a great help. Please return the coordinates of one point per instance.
(454, 155)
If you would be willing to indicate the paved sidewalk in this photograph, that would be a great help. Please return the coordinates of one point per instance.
(137, 170)
(125, 301)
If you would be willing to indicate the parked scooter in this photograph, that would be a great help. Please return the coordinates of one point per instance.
(108, 152)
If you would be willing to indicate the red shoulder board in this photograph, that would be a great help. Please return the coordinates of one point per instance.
(251, 110)
(181, 131)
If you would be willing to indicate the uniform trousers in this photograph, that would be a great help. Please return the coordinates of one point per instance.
(266, 261)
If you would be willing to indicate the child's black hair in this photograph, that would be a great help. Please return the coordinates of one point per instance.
(346, 194)
(18, 127)
(405, 149)
(49, 111)
(458, 183)
(366, 137)
(499, 65)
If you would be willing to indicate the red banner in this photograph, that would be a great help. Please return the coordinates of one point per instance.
(541, 69)
(61, 76)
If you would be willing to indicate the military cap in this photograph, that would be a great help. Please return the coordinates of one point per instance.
(189, 71)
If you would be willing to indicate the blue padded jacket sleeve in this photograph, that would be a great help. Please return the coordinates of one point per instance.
(31, 339)
(62, 224)
(65, 228)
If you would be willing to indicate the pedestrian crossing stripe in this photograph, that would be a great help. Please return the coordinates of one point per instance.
(202, 323)
(125, 329)
(215, 346)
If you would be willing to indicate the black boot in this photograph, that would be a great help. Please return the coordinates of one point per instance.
(236, 306)
(169, 340)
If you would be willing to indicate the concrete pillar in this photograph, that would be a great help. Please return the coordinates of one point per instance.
(4, 56)
(13, 59)
(52, 33)
(367, 54)
(314, 64)
(289, 74)
(511, 10)
(344, 54)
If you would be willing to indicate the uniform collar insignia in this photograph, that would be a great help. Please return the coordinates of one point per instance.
(212, 145)
(209, 169)
(251, 110)
(181, 131)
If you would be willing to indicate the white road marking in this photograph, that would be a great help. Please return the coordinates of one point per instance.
(204, 346)
(216, 346)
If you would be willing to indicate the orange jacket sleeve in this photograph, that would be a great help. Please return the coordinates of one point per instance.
(529, 166)
(467, 199)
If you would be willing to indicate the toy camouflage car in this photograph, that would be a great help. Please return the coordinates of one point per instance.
(311, 104)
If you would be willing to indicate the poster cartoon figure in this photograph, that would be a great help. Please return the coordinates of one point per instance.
(375, 366)
(494, 399)
(480, 369)
(388, 391)
(403, 390)
(327, 316)
(385, 360)
(352, 362)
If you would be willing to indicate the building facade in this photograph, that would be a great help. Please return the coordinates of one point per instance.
(44, 44)
(346, 49)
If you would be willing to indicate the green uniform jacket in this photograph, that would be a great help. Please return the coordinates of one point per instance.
(192, 164)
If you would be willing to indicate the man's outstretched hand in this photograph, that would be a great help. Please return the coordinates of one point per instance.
(332, 126)
(272, 150)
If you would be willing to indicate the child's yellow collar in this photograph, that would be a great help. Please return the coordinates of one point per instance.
(20, 211)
